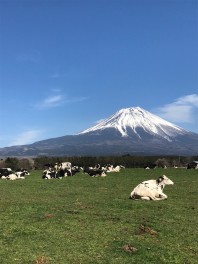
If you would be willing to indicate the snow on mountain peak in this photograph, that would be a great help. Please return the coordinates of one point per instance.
(136, 117)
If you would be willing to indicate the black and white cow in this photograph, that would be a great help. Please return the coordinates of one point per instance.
(8, 174)
(22, 172)
(50, 174)
(192, 165)
(114, 168)
(58, 171)
(5, 172)
(95, 172)
(151, 189)
(68, 172)
(150, 166)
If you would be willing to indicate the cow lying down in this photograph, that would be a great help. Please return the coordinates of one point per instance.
(151, 189)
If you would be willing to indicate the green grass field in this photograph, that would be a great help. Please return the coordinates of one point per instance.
(85, 220)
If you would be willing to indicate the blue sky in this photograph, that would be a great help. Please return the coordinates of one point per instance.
(65, 64)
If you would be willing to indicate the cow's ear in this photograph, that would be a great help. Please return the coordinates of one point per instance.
(160, 179)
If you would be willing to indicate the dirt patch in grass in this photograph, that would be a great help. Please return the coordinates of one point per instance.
(86, 206)
(42, 260)
(143, 229)
(129, 248)
(71, 212)
(47, 216)
(83, 206)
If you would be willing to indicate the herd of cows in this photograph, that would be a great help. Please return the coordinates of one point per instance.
(146, 190)
(64, 169)
(59, 170)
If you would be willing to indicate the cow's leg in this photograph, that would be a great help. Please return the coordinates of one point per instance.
(163, 196)
(154, 198)
(145, 198)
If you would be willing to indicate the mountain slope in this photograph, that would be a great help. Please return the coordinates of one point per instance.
(132, 131)
(132, 120)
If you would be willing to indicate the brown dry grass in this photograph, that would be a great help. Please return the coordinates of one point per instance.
(42, 260)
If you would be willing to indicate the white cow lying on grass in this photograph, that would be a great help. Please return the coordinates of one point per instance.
(151, 189)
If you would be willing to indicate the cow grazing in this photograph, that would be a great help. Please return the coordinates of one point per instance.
(151, 189)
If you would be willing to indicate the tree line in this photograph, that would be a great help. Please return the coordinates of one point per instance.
(129, 161)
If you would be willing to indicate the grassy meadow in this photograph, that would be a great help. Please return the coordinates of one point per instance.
(87, 220)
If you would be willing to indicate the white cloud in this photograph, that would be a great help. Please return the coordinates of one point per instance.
(183, 110)
(58, 100)
(189, 99)
(26, 137)
(52, 101)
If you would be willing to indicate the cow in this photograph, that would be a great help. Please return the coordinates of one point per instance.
(112, 168)
(95, 172)
(22, 172)
(150, 166)
(8, 174)
(87, 169)
(192, 165)
(13, 177)
(151, 189)
(5, 172)
(19, 173)
(59, 172)
(49, 174)
(74, 170)
(58, 166)
(68, 172)
(65, 165)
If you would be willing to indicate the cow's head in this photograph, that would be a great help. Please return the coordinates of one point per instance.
(165, 180)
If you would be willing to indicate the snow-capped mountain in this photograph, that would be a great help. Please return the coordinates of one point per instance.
(133, 131)
(135, 119)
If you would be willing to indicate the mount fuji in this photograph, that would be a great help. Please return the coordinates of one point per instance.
(138, 123)
(133, 131)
